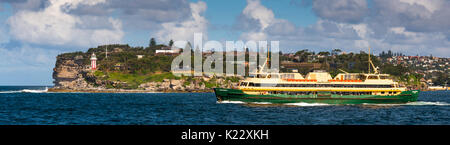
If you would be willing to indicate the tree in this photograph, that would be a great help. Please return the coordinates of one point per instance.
(171, 43)
(152, 42)
(303, 55)
(389, 54)
(325, 53)
(335, 52)
(440, 78)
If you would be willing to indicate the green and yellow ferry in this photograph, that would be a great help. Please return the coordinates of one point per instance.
(319, 87)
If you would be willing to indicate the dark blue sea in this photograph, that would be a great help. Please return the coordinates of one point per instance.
(34, 106)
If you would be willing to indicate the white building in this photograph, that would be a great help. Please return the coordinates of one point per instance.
(168, 50)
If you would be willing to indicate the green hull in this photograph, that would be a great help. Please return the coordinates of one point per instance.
(223, 94)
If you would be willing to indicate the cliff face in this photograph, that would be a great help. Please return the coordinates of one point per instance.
(70, 73)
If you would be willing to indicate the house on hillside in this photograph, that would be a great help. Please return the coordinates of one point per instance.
(167, 50)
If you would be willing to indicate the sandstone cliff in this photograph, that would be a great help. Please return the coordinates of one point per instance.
(70, 72)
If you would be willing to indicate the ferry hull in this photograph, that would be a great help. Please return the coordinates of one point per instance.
(223, 94)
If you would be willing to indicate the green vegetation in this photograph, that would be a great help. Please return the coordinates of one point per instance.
(124, 59)
(351, 62)
(133, 80)
(72, 54)
(211, 83)
(171, 43)
(99, 73)
(233, 79)
(152, 42)
(441, 79)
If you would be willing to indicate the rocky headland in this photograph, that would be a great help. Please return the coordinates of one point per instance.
(73, 73)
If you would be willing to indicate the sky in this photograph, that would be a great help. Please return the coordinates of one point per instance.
(34, 32)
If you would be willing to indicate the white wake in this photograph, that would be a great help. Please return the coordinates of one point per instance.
(230, 102)
(26, 91)
(418, 103)
(307, 104)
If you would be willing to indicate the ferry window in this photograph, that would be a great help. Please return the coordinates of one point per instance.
(383, 77)
(274, 76)
(382, 92)
(250, 84)
(362, 77)
(373, 77)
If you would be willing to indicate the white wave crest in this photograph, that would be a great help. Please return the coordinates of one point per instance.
(26, 91)
(418, 103)
(428, 103)
(8, 92)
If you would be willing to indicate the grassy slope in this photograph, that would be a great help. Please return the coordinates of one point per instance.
(134, 80)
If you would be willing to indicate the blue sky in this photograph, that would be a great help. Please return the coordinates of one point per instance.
(33, 32)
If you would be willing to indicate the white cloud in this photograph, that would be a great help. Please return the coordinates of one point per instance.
(401, 30)
(414, 15)
(431, 6)
(349, 11)
(255, 10)
(254, 36)
(139, 14)
(361, 30)
(185, 30)
(407, 26)
(55, 26)
(264, 20)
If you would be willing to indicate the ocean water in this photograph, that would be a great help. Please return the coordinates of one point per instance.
(34, 106)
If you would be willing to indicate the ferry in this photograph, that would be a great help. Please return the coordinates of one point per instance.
(319, 87)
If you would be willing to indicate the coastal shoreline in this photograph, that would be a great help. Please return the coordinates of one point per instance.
(57, 90)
